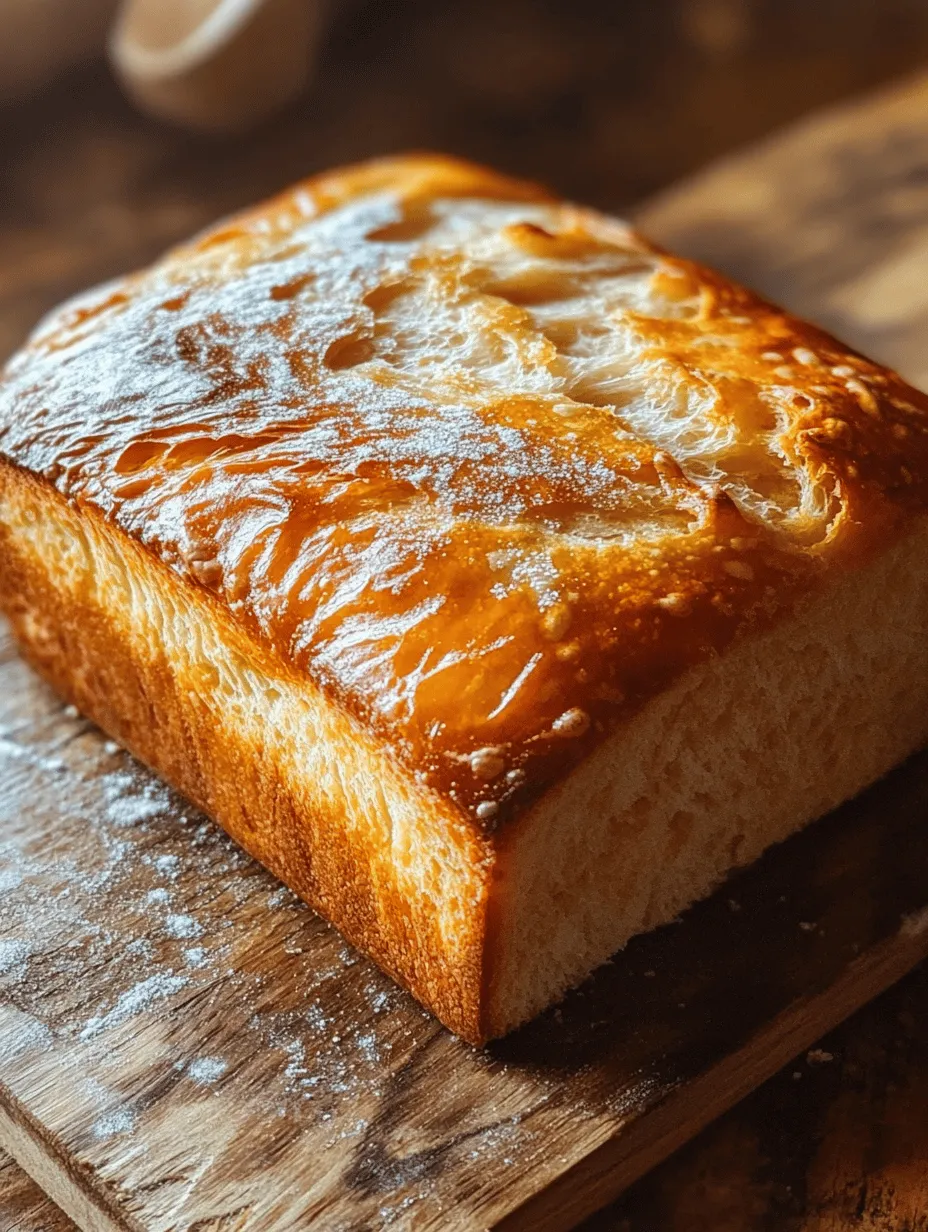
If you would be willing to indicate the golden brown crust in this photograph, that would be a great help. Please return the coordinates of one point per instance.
(171, 715)
(486, 469)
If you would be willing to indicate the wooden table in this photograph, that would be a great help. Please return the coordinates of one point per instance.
(832, 219)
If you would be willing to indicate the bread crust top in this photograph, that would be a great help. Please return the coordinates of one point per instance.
(487, 468)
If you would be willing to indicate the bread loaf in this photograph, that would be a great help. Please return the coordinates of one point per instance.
(496, 579)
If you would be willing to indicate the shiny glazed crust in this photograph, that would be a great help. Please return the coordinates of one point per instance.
(481, 472)
(483, 466)
(163, 669)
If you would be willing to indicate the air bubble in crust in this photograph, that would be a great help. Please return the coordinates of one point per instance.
(348, 352)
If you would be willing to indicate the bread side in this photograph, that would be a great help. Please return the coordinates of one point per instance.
(288, 775)
(739, 754)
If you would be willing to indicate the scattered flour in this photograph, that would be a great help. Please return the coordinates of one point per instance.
(317, 1018)
(138, 998)
(21, 1033)
(182, 926)
(130, 810)
(119, 1122)
(207, 1070)
(145, 851)
(369, 1046)
(389, 1214)
(379, 1001)
(296, 1066)
(131, 800)
(10, 878)
(13, 952)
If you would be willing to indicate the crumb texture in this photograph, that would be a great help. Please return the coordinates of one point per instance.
(737, 756)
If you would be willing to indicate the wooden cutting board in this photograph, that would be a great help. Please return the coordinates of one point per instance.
(183, 1046)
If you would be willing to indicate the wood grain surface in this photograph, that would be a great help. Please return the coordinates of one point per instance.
(837, 1142)
(825, 1146)
(185, 1046)
(168, 1045)
(24, 1207)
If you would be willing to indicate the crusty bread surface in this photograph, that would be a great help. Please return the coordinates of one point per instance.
(496, 579)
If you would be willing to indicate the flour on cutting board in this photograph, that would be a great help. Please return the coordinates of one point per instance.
(140, 996)
(173, 1014)
(206, 1070)
(133, 872)
(165, 911)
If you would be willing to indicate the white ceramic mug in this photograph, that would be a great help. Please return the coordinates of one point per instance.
(215, 64)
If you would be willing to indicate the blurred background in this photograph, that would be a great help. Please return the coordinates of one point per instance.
(607, 100)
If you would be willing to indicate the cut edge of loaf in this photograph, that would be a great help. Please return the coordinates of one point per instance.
(741, 752)
(163, 669)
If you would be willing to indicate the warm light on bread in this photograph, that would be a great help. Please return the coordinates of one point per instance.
(497, 580)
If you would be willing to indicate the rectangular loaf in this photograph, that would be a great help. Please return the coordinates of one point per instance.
(496, 579)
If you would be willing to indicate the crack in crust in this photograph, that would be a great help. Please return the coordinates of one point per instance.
(488, 467)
